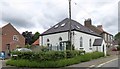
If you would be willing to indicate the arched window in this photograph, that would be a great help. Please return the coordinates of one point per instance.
(48, 40)
(81, 42)
(90, 43)
(60, 39)
(61, 45)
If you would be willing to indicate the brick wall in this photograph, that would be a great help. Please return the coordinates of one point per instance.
(8, 32)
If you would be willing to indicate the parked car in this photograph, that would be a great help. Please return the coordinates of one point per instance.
(23, 50)
(114, 49)
(20, 50)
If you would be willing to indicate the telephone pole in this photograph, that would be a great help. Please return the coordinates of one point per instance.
(70, 34)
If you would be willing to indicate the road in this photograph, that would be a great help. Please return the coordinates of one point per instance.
(109, 61)
(112, 63)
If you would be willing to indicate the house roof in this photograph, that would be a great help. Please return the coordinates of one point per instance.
(64, 26)
(98, 31)
(95, 29)
(97, 42)
(36, 42)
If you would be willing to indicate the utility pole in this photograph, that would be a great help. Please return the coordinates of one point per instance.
(70, 34)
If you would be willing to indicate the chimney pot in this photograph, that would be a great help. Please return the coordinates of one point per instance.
(88, 22)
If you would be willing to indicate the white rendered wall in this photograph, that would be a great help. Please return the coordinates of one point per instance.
(54, 38)
(100, 48)
(86, 38)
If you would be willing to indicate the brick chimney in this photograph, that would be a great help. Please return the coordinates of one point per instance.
(88, 22)
(100, 27)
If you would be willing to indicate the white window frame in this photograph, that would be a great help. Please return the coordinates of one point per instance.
(15, 38)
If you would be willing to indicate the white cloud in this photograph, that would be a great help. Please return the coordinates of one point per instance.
(39, 15)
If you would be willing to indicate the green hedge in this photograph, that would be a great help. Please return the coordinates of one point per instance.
(90, 56)
(45, 56)
(55, 64)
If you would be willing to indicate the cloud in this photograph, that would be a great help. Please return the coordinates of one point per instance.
(39, 15)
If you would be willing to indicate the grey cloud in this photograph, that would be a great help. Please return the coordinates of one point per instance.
(47, 13)
(18, 18)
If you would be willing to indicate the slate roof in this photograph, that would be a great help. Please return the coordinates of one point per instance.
(97, 42)
(95, 29)
(64, 26)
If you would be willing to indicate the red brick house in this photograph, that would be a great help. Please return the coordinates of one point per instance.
(10, 38)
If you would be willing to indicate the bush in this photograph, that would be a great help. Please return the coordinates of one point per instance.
(73, 53)
(45, 56)
(43, 64)
(86, 57)
(22, 55)
(118, 48)
(54, 59)
(96, 55)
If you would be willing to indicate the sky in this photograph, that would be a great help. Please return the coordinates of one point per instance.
(40, 15)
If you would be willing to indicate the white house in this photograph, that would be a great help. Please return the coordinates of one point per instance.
(57, 37)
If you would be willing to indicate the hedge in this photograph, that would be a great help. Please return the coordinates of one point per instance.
(54, 64)
(46, 56)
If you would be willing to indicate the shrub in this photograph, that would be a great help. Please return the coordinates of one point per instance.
(96, 55)
(45, 56)
(86, 57)
(22, 55)
(43, 64)
(73, 53)
(53, 61)
(118, 48)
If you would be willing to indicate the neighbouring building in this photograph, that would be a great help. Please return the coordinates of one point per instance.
(10, 38)
(36, 43)
(57, 37)
(35, 46)
(99, 30)
(115, 43)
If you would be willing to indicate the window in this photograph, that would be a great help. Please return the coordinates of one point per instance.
(15, 37)
(48, 40)
(60, 39)
(56, 26)
(78, 27)
(81, 42)
(90, 43)
(60, 43)
(63, 24)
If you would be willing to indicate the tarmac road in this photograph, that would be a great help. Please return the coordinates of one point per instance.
(110, 61)
(113, 63)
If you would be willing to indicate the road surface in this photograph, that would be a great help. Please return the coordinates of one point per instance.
(111, 63)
